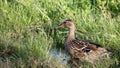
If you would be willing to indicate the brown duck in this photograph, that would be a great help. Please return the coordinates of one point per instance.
(82, 49)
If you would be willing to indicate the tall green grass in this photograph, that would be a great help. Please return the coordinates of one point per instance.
(28, 30)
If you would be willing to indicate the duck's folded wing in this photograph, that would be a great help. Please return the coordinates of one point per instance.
(85, 45)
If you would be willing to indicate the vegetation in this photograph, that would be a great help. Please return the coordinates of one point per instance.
(28, 30)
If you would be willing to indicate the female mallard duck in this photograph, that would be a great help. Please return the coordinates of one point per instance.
(82, 49)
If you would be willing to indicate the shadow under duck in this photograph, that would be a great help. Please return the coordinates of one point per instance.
(82, 49)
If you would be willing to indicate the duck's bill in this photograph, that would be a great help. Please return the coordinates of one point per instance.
(61, 25)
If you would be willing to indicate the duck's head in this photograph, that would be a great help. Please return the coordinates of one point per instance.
(67, 24)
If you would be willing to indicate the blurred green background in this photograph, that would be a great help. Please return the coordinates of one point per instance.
(28, 30)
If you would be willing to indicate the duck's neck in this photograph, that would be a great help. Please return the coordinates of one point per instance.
(71, 35)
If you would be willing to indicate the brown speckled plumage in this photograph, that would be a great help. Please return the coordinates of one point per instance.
(82, 49)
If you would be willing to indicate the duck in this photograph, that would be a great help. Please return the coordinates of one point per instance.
(82, 49)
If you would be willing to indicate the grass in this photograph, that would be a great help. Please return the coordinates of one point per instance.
(28, 30)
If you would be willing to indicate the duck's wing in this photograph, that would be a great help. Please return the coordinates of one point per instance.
(85, 45)
(81, 47)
